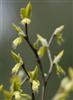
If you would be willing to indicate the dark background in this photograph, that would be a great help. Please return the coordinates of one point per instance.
(46, 16)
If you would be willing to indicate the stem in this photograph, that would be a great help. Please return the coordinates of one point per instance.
(50, 69)
(38, 61)
(24, 68)
(51, 66)
(51, 39)
(43, 92)
(35, 52)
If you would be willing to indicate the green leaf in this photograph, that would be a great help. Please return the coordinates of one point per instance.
(34, 74)
(59, 70)
(17, 57)
(58, 57)
(59, 29)
(16, 68)
(28, 10)
(42, 51)
(19, 30)
(8, 95)
(36, 44)
(23, 13)
(58, 34)
(67, 84)
(42, 40)
(35, 85)
(59, 38)
(15, 83)
(17, 42)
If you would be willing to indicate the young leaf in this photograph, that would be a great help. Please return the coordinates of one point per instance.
(59, 38)
(15, 83)
(23, 13)
(17, 57)
(59, 70)
(67, 84)
(36, 44)
(19, 30)
(16, 68)
(58, 57)
(28, 10)
(41, 51)
(58, 34)
(42, 40)
(8, 95)
(59, 30)
(17, 41)
(34, 74)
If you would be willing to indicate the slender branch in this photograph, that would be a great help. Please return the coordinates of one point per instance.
(38, 60)
(51, 40)
(24, 68)
(50, 57)
(50, 69)
(51, 66)
(35, 52)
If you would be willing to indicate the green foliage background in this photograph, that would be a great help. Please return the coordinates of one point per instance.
(46, 16)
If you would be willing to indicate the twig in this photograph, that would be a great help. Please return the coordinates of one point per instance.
(37, 58)
(35, 52)
(50, 69)
(24, 68)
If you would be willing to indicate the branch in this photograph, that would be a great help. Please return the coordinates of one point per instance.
(38, 60)
(24, 68)
(35, 52)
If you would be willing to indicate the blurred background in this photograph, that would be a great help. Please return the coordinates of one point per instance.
(46, 16)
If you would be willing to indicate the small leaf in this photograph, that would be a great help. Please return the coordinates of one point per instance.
(36, 44)
(17, 57)
(17, 42)
(35, 85)
(28, 10)
(59, 70)
(23, 13)
(42, 40)
(15, 83)
(67, 84)
(8, 95)
(58, 57)
(59, 29)
(16, 68)
(41, 51)
(58, 34)
(34, 74)
(59, 38)
(19, 30)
